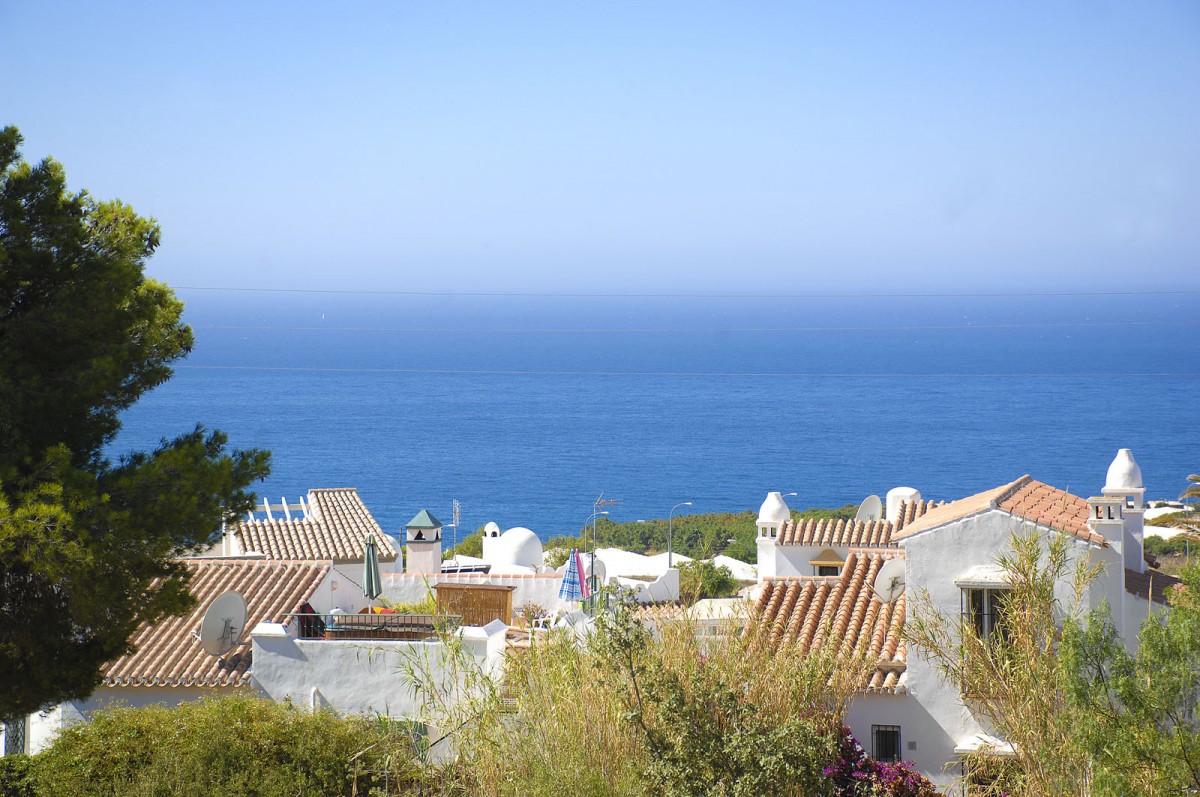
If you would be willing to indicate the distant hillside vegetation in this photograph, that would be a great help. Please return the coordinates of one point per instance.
(698, 536)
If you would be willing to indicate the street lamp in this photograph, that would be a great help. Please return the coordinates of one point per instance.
(671, 531)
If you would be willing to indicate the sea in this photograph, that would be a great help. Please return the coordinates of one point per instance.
(528, 409)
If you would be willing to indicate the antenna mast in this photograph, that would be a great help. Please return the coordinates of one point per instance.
(456, 511)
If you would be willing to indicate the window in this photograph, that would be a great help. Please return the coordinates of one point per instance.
(827, 563)
(885, 742)
(14, 736)
(985, 608)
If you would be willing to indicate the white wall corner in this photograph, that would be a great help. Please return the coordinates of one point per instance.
(265, 630)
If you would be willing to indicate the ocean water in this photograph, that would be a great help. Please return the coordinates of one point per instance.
(534, 406)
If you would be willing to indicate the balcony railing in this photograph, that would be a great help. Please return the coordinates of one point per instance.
(372, 626)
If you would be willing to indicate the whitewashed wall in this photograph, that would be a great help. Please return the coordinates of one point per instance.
(362, 676)
(935, 560)
(916, 727)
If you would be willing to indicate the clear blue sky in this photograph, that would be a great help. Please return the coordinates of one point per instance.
(629, 147)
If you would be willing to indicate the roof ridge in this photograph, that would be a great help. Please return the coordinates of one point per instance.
(1011, 489)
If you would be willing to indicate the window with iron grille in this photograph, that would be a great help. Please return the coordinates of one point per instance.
(885, 742)
(14, 735)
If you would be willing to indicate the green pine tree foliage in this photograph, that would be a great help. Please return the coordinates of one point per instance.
(88, 545)
(1137, 712)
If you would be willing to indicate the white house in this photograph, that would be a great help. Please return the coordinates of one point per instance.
(818, 577)
(307, 562)
(514, 558)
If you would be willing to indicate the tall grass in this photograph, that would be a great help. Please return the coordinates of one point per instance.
(631, 713)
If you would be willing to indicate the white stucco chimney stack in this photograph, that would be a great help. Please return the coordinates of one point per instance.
(898, 497)
(1124, 482)
(773, 513)
(423, 544)
(491, 533)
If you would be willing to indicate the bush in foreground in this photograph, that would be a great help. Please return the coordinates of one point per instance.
(238, 745)
(669, 715)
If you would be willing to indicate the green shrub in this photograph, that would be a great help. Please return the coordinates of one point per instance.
(426, 606)
(237, 745)
(471, 545)
(15, 776)
(699, 580)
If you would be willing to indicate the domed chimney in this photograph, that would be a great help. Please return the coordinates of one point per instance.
(772, 515)
(1124, 482)
(898, 497)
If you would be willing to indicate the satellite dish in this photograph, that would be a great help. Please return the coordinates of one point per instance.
(889, 581)
(870, 509)
(223, 623)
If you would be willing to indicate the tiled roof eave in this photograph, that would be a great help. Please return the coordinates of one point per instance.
(942, 525)
(1090, 537)
(176, 683)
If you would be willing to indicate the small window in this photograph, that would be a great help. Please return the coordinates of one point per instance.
(828, 570)
(985, 610)
(885, 742)
(14, 736)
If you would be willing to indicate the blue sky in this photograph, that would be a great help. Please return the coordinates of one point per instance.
(630, 147)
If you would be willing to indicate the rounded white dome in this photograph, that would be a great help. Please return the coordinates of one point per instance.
(491, 529)
(519, 546)
(1123, 473)
(773, 512)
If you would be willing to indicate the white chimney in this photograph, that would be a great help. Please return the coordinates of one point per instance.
(897, 497)
(1124, 482)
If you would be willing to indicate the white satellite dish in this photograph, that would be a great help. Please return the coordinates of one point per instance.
(870, 509)
(889, 581)
(223, 623)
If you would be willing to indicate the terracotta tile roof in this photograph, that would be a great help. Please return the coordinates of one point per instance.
(850, 533)
(1049, 506)
(843, 611)
(336, 529)
(1025, 498)
(169, 654)
(1150, 585)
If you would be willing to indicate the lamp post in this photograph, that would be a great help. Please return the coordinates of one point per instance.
(671, 531)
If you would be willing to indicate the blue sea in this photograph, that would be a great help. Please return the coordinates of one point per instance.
(527, 409)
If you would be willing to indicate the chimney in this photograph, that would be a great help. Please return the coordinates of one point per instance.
(1124, 483)
(423, 541)
(897, 497)
(1106, 518)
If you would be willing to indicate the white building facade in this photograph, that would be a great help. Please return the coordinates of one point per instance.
(818, 578)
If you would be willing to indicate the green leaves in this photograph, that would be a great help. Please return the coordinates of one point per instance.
(87, 546)
(234, 745)
(1137, 710)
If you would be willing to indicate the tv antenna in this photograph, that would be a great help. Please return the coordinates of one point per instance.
(602, 501)
(456, 512)
(223, 623)
(889, 581)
